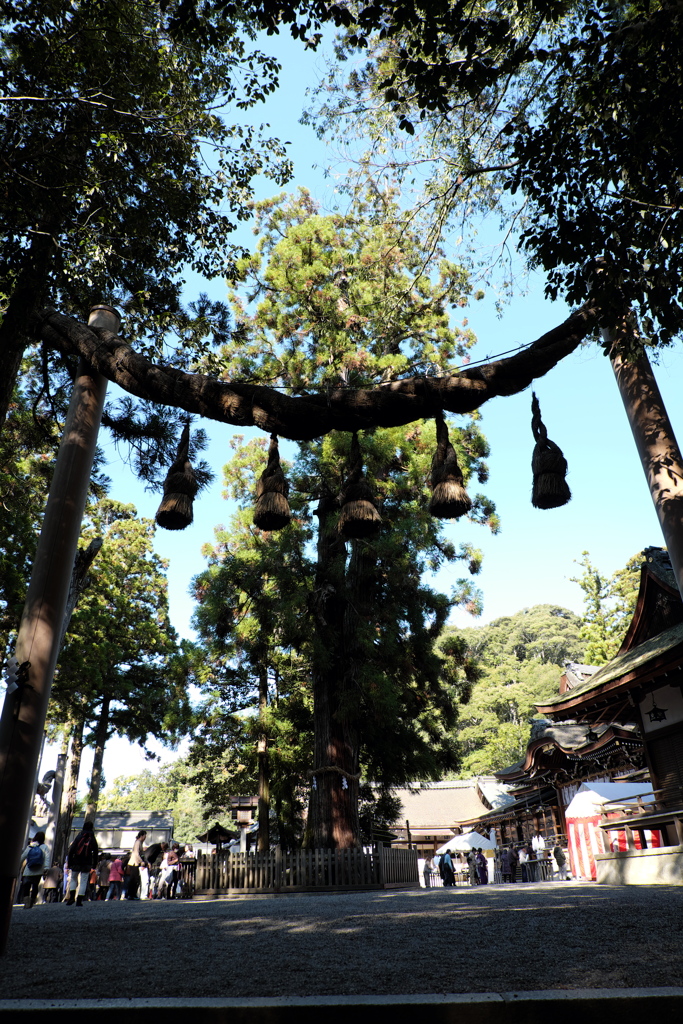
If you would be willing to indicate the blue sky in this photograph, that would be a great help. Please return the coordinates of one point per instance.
(532, 559)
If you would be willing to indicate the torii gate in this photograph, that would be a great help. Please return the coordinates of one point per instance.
(103, 355)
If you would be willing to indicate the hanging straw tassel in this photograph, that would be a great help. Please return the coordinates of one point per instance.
(272, 508)
(180, 487)
(449, 498)
(548, 464)
(359, 516)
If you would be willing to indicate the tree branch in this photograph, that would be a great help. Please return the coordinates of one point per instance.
(304, 417)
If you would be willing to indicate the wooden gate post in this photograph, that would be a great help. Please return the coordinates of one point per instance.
(24, 711)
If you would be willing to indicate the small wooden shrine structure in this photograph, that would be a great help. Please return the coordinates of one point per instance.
(641, 689)
(622, 721)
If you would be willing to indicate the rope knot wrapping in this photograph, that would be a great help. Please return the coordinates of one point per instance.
(359, 516)
(548, 465)
(272, 510)
(180, 488)
(449, 498)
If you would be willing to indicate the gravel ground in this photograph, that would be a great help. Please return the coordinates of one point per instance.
(490, 939)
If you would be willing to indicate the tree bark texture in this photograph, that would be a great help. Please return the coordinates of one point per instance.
(304, 417)
(24, 712)
(29, 290)
(263, 766)
(101, 735)
(333, 804)
(657, 447)
(71, 790)
(79, 581)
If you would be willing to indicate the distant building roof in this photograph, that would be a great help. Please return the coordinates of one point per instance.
(495, 793)
(108, 820)
(441, 805)
(627, 662)
(575, 675)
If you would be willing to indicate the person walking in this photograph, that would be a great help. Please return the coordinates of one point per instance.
(561, 861)
(523, 858)
(103, 869)
(448, 872)
(514, 861)
(52, 884)
(115, 879)
(137, 859)
(82, 857)
(472, 867)
(34, 858)
(482, 867)
(172, 869)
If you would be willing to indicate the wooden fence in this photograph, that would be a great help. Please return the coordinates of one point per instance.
(305, 870)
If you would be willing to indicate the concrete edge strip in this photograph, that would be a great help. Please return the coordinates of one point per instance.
(465, 1008)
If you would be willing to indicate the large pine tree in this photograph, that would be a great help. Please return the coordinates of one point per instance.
(340, 302)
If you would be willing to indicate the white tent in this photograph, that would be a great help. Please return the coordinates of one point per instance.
(467, 841)
(592, 795)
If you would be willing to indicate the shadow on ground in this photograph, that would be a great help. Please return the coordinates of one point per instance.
(493, 939)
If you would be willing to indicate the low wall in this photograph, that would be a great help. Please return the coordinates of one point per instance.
(658, 866)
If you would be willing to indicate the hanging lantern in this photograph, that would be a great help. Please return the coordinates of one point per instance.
(449, 498)
(549, 466)
(180, 488)
(272, 508)
(359, 516)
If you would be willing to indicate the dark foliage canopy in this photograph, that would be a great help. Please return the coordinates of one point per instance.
(583, 98)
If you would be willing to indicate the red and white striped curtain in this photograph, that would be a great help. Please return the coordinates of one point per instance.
(584, 842)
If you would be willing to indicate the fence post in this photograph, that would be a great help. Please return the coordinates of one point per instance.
(380, 864)
(277, 880)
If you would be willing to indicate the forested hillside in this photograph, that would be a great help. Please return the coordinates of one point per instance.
(521, 658)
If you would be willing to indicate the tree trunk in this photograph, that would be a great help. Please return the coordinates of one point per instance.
(71, 789)
(79, 581)
(263, 766)
(27, 296)
(101, 736)
(333, 806)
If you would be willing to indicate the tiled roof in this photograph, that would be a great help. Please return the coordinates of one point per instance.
(659, 564)
(107, 820)
(569, 738)
(624, 663)
(440, 804)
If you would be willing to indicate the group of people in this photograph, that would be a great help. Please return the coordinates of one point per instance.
(531, 858)
(509, 861)
(474, 863)
(159, 871)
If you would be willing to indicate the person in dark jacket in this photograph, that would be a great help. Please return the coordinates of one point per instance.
(82, 857)
(448, 873)
(514, 861)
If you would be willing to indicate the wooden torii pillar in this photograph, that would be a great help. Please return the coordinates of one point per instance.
(657, 447)
(25, 709)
